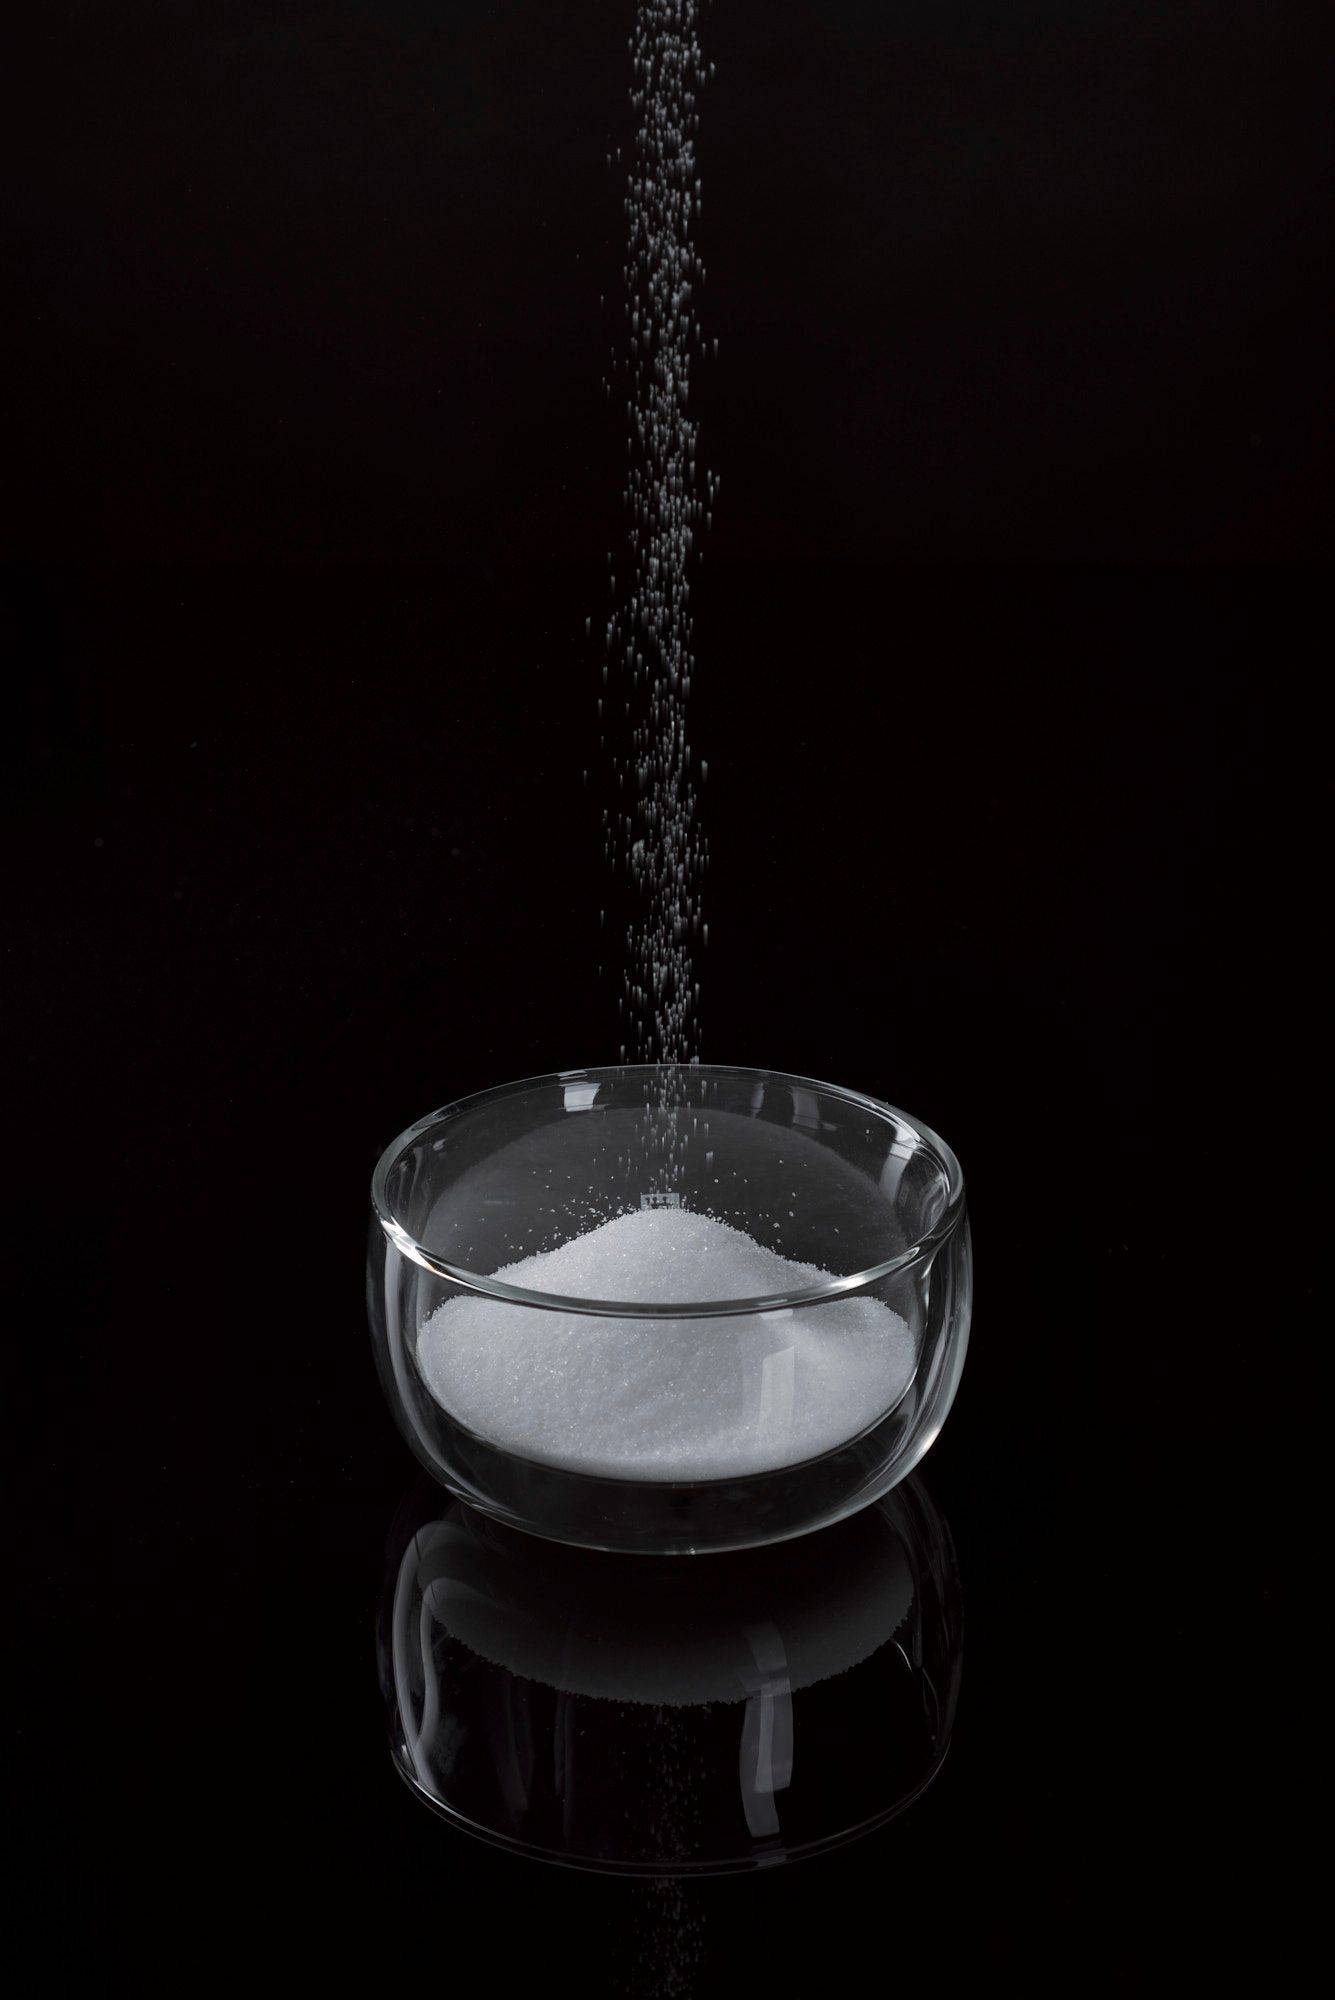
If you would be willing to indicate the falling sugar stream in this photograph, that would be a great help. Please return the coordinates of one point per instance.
(651, 832)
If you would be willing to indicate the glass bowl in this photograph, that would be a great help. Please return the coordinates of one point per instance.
(638, 1714)
(669, 1310)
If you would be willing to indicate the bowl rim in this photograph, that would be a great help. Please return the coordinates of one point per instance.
(836, 1287)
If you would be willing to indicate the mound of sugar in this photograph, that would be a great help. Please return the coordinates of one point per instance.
(666, 1399)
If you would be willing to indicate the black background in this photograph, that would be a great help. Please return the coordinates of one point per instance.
(1006, 625)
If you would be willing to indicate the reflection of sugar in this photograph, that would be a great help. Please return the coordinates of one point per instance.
(615, 1628)
(666, 1399)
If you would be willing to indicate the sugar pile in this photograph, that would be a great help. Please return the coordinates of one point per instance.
(666, 1399)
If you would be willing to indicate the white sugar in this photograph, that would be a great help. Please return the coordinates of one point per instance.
(666, 1399)
(652, 831)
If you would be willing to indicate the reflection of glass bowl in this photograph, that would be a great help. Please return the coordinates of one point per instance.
(760, 1416)
(645, 1714)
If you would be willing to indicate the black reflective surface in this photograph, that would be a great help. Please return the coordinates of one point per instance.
(661, 1716)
